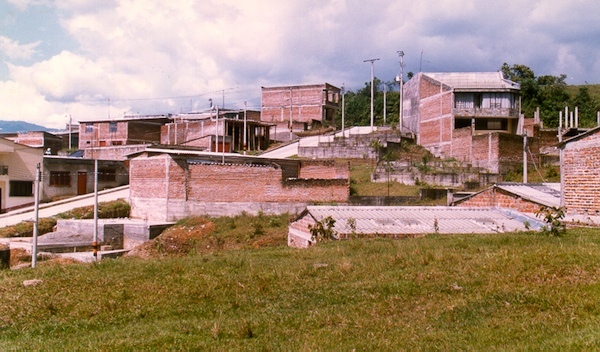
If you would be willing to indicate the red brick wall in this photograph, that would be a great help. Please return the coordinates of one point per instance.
(306, 101)
(233, 183)
(494, 197)
(581, 175)
(147, 177)
(324, 169)
(461, 144)
(435, 129)
(193, 133)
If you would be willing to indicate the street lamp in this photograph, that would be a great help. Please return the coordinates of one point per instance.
(401, 84)
(372, 61)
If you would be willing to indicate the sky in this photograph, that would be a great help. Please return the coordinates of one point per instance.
(81, 60)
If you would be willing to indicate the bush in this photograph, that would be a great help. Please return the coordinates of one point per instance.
(552, 216)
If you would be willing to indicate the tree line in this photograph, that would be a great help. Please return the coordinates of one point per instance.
(548, 93)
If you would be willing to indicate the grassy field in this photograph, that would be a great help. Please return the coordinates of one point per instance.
(507, 291)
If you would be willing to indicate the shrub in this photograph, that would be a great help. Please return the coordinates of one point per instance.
(552, 216)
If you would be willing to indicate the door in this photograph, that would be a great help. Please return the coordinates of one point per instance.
(81, 183)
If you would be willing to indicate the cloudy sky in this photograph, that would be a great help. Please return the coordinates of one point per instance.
(93, 60)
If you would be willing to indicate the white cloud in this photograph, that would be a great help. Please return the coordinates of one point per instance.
(14, 50)
(133, 51)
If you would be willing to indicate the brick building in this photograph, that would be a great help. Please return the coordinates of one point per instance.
(526, 198)
(50, 143)
(204, 130)
(167, 185)
(299, 108)
(118, 132)
(472, 117)
(580, 173)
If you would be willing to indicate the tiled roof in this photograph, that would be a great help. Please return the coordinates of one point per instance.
(474, 80)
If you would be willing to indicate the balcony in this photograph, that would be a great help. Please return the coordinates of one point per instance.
(486, 112)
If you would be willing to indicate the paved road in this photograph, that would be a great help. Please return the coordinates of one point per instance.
(51, 209)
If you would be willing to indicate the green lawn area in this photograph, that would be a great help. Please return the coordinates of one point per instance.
(460, 292)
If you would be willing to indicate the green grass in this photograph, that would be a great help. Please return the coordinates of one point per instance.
(361, 185)
(106, 210)
(464, 292)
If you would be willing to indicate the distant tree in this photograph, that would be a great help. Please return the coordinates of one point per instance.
(549, 93)
(587, 107)
(358, 104)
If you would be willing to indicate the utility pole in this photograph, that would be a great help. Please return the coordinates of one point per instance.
(524, 157)
(401, 89)
(245, 128)
(95, 239)
(372, 61)
(343, 110)
(291, 119)
(384, 104)
(36, 217)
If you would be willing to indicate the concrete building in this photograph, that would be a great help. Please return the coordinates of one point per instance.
(299, 108)
(167, 185)
(580, 173)
(18, 165)
(472, 117)
(67, 176)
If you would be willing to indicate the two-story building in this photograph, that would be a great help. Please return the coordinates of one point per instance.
(473, 117)
(18, 164)
(299, 108)
(217, 130)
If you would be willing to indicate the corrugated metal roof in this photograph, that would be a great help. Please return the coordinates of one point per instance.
(547, 194)
(422, 220)
(474, 80)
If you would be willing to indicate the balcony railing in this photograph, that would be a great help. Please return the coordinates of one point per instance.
(486, 112)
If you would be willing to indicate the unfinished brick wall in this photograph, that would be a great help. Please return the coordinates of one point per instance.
(495, 197)
(190, 133)
(435, 127)
(112, 153)
(461, 144)
(161, 181)
(581, 175)
(324, 169)
(303, 104)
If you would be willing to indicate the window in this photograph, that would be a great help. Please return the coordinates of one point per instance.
(498, 100)
(112, 126)
(463, 101)
(89, 127)
(107, 175)
(21, 188)
(60, 178)
(491, 124)
(462, 123)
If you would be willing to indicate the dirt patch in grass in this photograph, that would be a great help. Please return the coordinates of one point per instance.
(203, 236)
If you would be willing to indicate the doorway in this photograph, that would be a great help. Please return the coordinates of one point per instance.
(81, 183)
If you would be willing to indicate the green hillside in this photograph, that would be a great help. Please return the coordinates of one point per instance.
(594, 90)
(523, 291)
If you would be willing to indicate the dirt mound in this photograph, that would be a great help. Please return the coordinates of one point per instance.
(177, 240)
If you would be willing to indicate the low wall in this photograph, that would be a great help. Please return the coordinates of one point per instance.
(157, 209)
